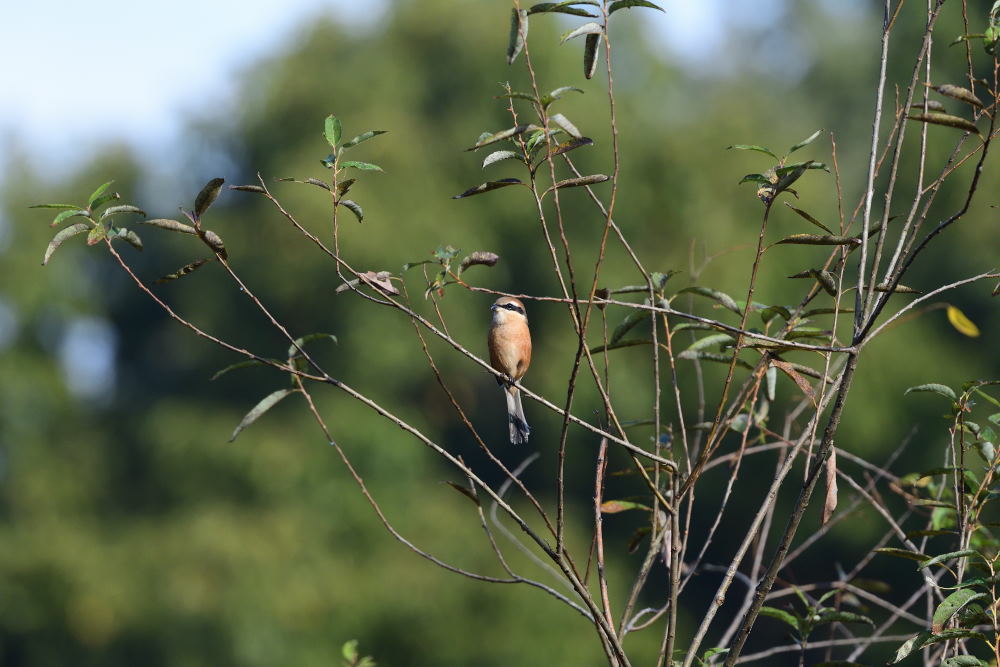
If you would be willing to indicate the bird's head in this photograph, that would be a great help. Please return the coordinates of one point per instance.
(507, 309)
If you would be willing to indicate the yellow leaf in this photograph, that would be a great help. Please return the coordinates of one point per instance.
(963, 324)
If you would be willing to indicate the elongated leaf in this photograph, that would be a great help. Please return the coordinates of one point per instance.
(240, 364)
(805, 142)
(478, 258)
(709, 341)
(67, 214)
(771, 378)
(566, 125)
(464, 491)
(97, 234)
(61, 236)
(363, 166)
(556, 94)
(811, 219)
(129, 237)
(364, 136)
(124, 208)
(559, 8)
(570, 145)
(97, 193)
(486, 139)
(633, 318)
(258, 410)
(592, 179)
(962, 324)
(959, 93)
(934, 388)
(616, 506)
(781, 615)
(963, 661)
(213, 241)
(625, 4)
(181, 272)
(248, 188)
(701, 355)
(104, 199)
(949, 635)
(902, 553)
(809, 164)
(723, 298)
(951, 605)
(590, 55)
(898, 289)
(826, 280)
(769, 313)
(207, 196)
(332, 130)
(947, 120)
(831, 616)
(170, 225)
(755, 178)
(818, 239)
(353, 207)
(788, 369)
(752, 147)
(932, 105)
(518, 33)
(497, 156)
(54, 206)
(293, 350)
(910, 645)
(940, 558)
(632, 342)
(487, 186)
(591, 28)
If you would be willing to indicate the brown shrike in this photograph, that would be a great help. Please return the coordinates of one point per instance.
(510, 355)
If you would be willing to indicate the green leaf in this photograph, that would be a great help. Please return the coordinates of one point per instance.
(805, 142)
(949, 635)
(518, 33)
(332, 130)
(947, 120)
(832, 616)
(633, 318)
(769, 313)
(353, 207)
(566, 125)
(590, 55)
(516, 95)
(959, 93)
(258, 410)
(818, 239)
(97, 234)
(752, 147)
(556, 94)
(781, 615)
(582, 181)
(808, 164)
(170, 225)
(934, 388)
(207, 196)
(364, 136)
(293, 350)
(62, 236)
(248, 188)
(497, 156)
(53, 206)
(129, 237)
(932, 105)
(616, 506)
(66, 215)
(240, 364)
(124, 208)
(625, 4)
(560, 8)
(487, 186)
(723, 298)
(591, 28)
(964, 553)
(701, 355)
(485, 139)
(97, 193)
(963, 661)
(350, 650)
(363, 166)
(570, 145)
(902, 553)
(951, 605)
(708, 341)
(811, 219)
(912, 644)
(104, 199)
(181, 272)
(754, 178)
(632, 342)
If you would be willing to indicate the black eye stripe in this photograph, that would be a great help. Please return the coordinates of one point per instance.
(516, 309)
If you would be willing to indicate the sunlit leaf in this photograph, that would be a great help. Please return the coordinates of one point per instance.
(66, 215)
(932, 105)
(805, 142)
(497, 156)
(124, 208)
(781, 615)
(258, 410)
(958, 93)
(951, 605)
(962, 324)
(213, 241)
(592, 179)
(97, 234)
(752, 147)
(97, 193)
(170, 225)
(61, 237)
(332, 130)
(363, 166)
(910, 645)
(487, 186)
(940, 558)
(591, 28)
(364, 136)
(556, 94)
(934, 388)
(566, 125)
(485, 139)
(947, 120)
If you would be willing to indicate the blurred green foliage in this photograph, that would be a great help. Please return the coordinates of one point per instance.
(133, 534)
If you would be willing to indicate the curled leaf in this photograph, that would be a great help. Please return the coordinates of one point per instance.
(485, 139)
(805, 142)
(591, 28)
(97, 193)
(487, 186)
(181, 272)
(962, 324)
(97, 234)
(67, 214)
(248, 188)
(947, 120)
(61, 237)
(213, 241)
(566, 125)
(129, 237)
(819, 239)
(592, 179)
(480, 258)
(364, 136)
(258, 410)
(381, 281)
(207, 196)
(170, 225)
(958, 93)
(590, 55)
(353, 207)
(124, 208)
(518, 33)
(625, 4)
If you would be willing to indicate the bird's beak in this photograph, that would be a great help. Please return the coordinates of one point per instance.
(493, 307)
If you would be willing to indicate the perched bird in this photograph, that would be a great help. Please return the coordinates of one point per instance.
(510, 354)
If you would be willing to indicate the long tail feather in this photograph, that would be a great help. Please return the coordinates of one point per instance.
(519, 429)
